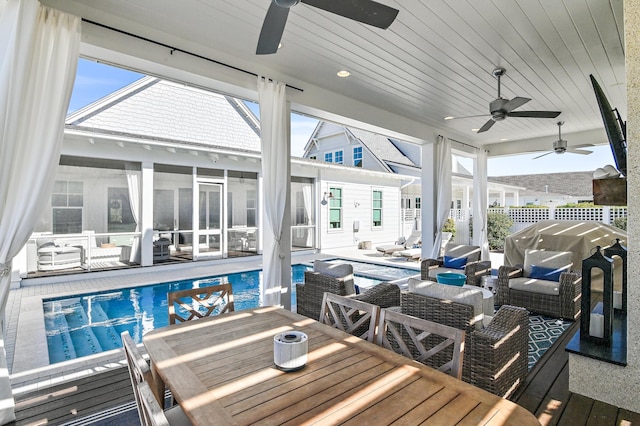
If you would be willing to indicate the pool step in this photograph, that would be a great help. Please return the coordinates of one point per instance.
(82, 335)
(60, 345)
(105, 332)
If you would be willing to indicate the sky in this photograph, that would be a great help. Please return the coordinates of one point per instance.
(95, 80)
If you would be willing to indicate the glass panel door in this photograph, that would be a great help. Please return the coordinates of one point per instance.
(209, 230)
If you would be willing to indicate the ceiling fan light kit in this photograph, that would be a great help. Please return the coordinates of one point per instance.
(366, 11)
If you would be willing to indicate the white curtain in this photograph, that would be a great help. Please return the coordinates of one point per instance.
(275, 166)
(480, 203)
(443, 191)
(133, 184)
(37, 69)
(308, 210)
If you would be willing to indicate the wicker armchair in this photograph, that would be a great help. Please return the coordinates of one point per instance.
(309, 295)
(474, 268)
(564, 304)
(495, 356)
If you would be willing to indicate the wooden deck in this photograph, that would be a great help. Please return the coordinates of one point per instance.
(545, 393)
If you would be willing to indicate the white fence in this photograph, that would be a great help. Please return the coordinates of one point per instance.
(523, 217)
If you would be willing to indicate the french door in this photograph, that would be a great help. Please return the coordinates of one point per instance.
(208, 232)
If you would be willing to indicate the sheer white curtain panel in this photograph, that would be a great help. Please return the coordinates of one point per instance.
(37, 69)
(480, 203)
(133, 184)
(275, 166)
(443, 192)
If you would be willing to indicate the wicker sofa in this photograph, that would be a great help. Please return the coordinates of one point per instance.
(473, 267)
(560, 299)
(495, 357)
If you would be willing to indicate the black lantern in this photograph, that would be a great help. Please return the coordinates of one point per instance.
(597, 326)
(619, 250)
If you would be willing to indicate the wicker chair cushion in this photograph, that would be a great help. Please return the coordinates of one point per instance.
(535, 286)
(462, 295)
(453, 250)
(337, 270)
(547, 259)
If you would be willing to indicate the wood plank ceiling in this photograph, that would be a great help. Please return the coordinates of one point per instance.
(434, 61)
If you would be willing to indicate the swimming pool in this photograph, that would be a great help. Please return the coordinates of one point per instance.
(88, 324)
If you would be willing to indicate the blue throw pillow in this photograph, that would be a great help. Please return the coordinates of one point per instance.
(455, 262)
(549, 274)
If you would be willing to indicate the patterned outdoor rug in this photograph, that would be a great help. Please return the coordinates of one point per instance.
(543, 331)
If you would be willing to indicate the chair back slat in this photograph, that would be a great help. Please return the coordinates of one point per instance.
(428, 342)
(350, 315)
(151, 414)
(187, 305)
(139, 371)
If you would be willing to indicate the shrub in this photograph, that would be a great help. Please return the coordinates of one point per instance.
(498, 228)
(620, 222)
(582, 205)
(450, 226)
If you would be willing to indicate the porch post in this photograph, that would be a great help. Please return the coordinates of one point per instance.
(428, 194)
(146, 216)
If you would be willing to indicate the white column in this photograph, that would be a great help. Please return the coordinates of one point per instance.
(428, 195)
(146, 220)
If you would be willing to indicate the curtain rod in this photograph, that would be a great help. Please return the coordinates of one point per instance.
(462, 143)
(177, 49)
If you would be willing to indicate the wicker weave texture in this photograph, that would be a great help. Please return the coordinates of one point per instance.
(495, 357)
(565, 305)
(473, 270)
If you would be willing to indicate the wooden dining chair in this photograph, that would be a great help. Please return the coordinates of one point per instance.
(350, 315)
(140, 374)
(436, 345)
(186, 305)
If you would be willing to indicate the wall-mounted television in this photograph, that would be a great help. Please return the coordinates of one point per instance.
(614, 126)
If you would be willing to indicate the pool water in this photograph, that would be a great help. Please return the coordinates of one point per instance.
(88, 324)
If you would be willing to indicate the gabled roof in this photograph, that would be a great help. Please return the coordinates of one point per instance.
(575, 184)
(155, 109)
(382, 148)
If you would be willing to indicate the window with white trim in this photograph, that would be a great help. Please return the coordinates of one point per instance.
(376, 210)
(357, 156)
(67, 200)
(338, 157)
(335, 208)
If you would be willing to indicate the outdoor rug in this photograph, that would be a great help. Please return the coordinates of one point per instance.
(543, 332)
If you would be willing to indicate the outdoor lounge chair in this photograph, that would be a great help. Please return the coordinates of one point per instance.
(496, 349)
(459, 258)
(309, 295)
(416, 253)
(545, 284)
(410, 242)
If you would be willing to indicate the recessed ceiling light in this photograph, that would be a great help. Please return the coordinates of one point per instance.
(344, 73)
(449, 118)
(504, 139)
(279, 45)
(474, 130)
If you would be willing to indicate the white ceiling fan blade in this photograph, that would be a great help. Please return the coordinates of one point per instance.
(579, 151)
(546, 153)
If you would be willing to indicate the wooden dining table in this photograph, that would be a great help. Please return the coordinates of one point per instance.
(221, 371)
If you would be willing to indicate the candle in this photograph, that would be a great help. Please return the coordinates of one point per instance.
(596, 325)
(617, 300)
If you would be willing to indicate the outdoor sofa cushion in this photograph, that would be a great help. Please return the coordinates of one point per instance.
(462, 295)
(336, 270)
(533, 285)
(560, 260)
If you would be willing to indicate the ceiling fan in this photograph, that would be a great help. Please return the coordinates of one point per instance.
(560, 146)
(365, 11)
(501, 108)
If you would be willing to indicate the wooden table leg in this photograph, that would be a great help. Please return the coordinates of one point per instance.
(158, 385)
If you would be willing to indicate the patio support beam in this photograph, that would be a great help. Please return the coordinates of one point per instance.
(146, 219)
(428, 196)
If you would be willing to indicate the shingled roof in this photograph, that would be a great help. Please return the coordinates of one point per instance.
(575, 184)
(161, 110)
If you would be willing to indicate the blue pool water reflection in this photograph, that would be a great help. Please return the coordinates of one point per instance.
(91, 323)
